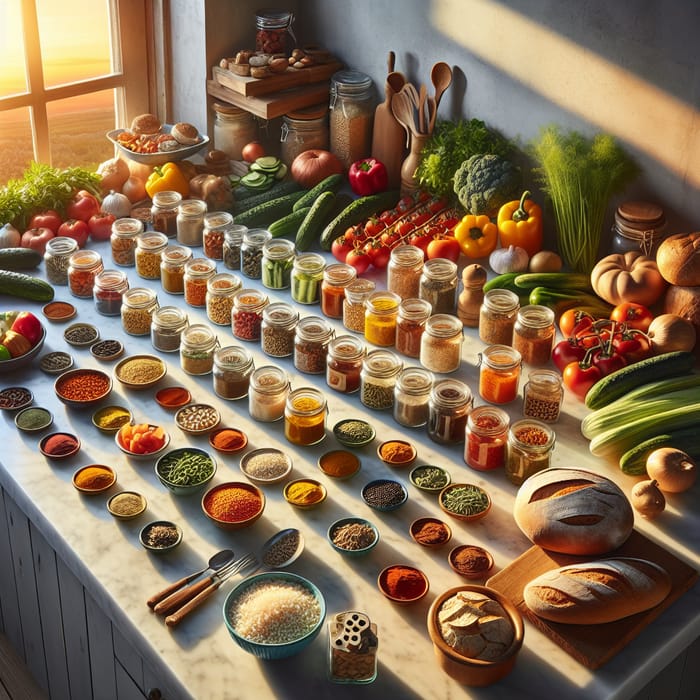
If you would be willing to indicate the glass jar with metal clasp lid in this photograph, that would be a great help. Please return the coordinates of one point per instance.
(167, 324)
(164, 212)
(123, 240)
(438, 285)
(173, 259)
(412, 396)
(233, 366)
(303, 130)
(198, 343)
(639, 227)
(450, 403)
(273, 30)
(233, 128)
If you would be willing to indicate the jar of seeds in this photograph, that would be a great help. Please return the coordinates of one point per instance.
(307, 276)
(438, 285)
(233, 366)
(233, 239)
(404, 271)
(267, 393)
(356, 294)
(172, 268)
(167, 324)
(138, 305)
(311, 339)
(57, 258)
(252, 251)
(441, 343)
(543, 395)
(450, 404)
(123, 241)
(380, 370)
(219, 299)
(198, 343)
(411, 396)
(344, 363)
(279, 322)
(497, 316)
(198, 272)
(149, 246)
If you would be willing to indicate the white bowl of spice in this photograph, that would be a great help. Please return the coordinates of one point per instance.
(266, 465)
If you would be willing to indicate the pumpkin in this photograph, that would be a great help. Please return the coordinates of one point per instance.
(678, 258)
(628, 277)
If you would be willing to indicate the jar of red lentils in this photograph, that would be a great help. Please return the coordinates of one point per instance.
(83, 267)
(497, 316)
(219, 299)
(336, 278)
(438, 285)
(486, 437)
(449, 406)
(543, 395)
(279, 322)
(441, 343)
(123, 240)
(381, 314)
(198, 272)
(499, 374)
(344, 363)
(164, 212)
(246, 317)
(530, 445)
(410, 324)
(108, 289)
(267, 393)
(404, 271)
(305, 416)
(412, 396)
(216, 223)
(172, 268)
(311, 339)
(533, 334)
(356, 294)
(149, 247)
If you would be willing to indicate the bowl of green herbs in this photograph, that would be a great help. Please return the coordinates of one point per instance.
(185, 470)
(428, 477)
(467, 502)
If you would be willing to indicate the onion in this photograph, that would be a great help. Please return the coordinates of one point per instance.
(9, 236)
(135, 189)
(114, 173)
(647, 499)
(668, 333)
(116, 203)
(673, 469)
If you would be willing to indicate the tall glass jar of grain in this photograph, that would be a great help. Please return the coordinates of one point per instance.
(352, 106)
(303, 130)
(267, 393)
(138, 305)
(233, 129)
(123, 240)
(173, 259)
(441, 343)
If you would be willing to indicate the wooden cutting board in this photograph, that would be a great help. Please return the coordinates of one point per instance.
(592, 645)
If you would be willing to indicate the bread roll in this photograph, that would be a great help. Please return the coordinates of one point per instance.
(185, 133)
(597, 592)
(573, 511)
(678, 259)
(145, 124)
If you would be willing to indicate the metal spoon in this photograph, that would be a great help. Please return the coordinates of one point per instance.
(217, 561)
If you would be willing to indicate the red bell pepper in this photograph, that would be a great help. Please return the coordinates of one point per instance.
(368, 176)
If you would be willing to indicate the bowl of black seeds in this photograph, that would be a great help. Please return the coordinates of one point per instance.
(384, 494)
(353, 432)
(107, 350)
(160, 536)
(81, 334)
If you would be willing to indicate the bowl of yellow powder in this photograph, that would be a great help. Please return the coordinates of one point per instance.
(305, 493)
(140, 371)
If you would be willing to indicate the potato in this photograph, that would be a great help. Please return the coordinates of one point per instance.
(545, 261)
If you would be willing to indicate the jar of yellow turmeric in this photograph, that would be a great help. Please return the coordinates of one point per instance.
(305, 416)
(381, 314)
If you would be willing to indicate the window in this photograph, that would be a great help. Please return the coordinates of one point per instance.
(72, 71)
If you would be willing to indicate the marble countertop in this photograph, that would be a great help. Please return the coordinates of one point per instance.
(202, 659)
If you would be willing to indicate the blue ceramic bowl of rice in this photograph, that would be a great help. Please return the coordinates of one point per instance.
(275, 614)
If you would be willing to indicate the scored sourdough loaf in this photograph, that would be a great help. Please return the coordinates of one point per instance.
(596, 592)
(573, 511)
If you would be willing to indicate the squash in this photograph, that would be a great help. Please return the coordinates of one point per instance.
(628, 277)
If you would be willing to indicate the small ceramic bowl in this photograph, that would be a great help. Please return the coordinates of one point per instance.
(349, 551)
(126, 505)
(234, 520)
(121, 369)
(470, 490)
(339, 464)
(430, 532)
(470, 561)
(109, 424)
(33, 419)
(107, 479)
(14, 398)
(384, 494)
(98, 386)
(197, 418)
(170, 459)
(228, 440)
(266, 465)
(404, 590)
(353, 432)
(107, 350)
(56, 362)
(141, 456)
(67, 445)
(58, 311)
(178, 400)
(430, 478)
(306, 501)
(160, 530)
(81, 335)
(401, 460)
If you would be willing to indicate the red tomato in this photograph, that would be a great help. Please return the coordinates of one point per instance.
(567, 351)
(82, 206)
(100, 225)
(76, 229)
(379, 254)
(389, 238)
(579, 377)
(444, 248)
(358, 259)
(633, 315)
(49, 218)
(608, 361)
(340, 248)
(252, 151)
(405, 228)
(36, 238)
(28, 325)
(573, 321)
(373, 227)
(421, 240)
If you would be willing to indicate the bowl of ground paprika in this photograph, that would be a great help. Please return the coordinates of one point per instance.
(234, 504)
(396, 453)
(59, 445)
(403, 584)
(470, 561)
(83, 387)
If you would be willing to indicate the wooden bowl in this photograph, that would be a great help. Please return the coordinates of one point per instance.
(137, 385)
(234, 523)
(80, 376)
(103, 486)
(418, 524)
(398, 598)
(482, 561)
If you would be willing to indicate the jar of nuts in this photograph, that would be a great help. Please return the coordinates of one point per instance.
(138, 305)
(219, 300)
(149, 246)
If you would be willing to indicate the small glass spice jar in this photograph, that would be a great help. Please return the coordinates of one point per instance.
(138, 305)
(543, 395)
(404, 270)
(164, 208)
(279, 322)
(499, 374)
(219, 300)
(441, 343)
(412, 396)
(356, 294)
(198, 343)
(252, 251)
(639, 227)
(167, 324)
(303, 130)
(83, 267)
(190, 222)
(344, 363)
(122, 240)
(311, 339)
(380, 370)
(149, 247)
(449, 406)
(336, 278)
(198, 272)
(173, 259)
(233, 128)
(233, 366)
(277, 262)
(246, 316)
(267, 393)
(307, 277)
(233, 239)
(305, 416)
(486, 437)
(57, 258)
(497, 316)
(381, 314)
(216, 223)
(410, 324)
(533, 334)
(107, 291)
(438, 285)
(530, 445)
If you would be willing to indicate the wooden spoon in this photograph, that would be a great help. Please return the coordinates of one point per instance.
(402, 107)
(421, 107)
(441, 77)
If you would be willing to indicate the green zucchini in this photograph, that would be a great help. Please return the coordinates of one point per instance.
(617, 384)
(317, 216)
(288, 225)
(264, 214)
(634, 461)
(19, 258)
(554, 280)
(331, 183)
(247, 199)
(359, 210)
(23, 286)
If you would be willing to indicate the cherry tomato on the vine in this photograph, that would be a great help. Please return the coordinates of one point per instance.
(579, 377)
(633, 315)
(340, 248)
(573, 321)
(359, 260)
(566, 351)
(608, 361)
(378, 254)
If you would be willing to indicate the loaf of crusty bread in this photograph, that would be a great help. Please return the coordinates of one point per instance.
(596, 592)
(573, 511)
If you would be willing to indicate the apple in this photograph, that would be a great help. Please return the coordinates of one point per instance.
(29, 326)
(82, 206)
(252, 151)
(76, 229)
(100, 225)
(36, 238)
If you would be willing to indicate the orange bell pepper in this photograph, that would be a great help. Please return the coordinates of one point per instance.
(520, 224)
(477, 235)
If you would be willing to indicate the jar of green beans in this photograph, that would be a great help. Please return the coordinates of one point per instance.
(307, 276)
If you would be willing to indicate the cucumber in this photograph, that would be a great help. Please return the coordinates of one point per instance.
(318, 215)
(554, 280)
(267, 212)
(617, 384)
(23, 286)
(331, 183)
(288, 225)
(19, 259)
(634, 461)
(247, 199)
(359, 210)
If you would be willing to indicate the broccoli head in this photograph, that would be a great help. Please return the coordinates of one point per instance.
(483, 183)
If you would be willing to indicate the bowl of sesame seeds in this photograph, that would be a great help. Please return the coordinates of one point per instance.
(353, 536)
(266, 465)
(140, 371)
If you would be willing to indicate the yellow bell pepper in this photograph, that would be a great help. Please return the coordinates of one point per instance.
(167, 177)
(477, 235)
(520, 224)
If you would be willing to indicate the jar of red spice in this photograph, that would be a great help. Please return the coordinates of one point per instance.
(404, 271)
(305, 416)
(219, 299)
(410, 324)
(173, 259)
(533, 334)
(311, 339)
(123, 240)
(499, 374)
(198, 272)
(497, 316)
(450, 403)
(530, 444)
(336, 278)
(485, 438)
(149, 247)
(246, 317)
(107, 291)
(216, 223)
(83, 267)
(344, 363)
